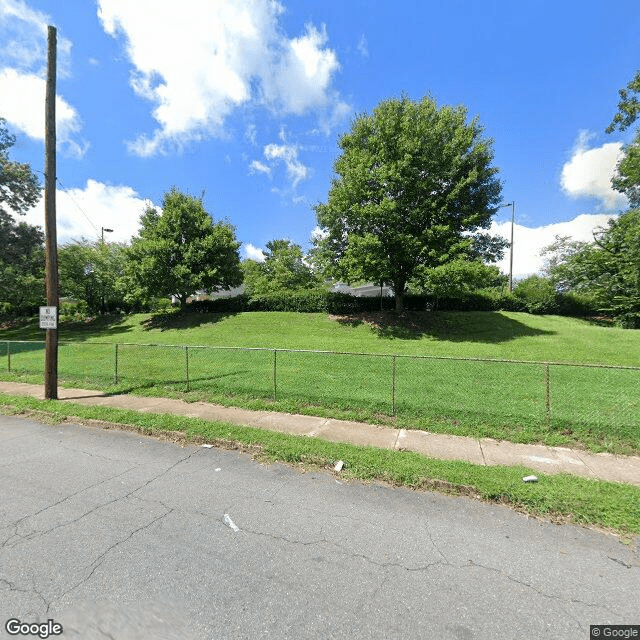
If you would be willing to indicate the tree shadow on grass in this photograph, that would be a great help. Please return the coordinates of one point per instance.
(194, 383)
(76, 330)
(468, 326)
(177, 320)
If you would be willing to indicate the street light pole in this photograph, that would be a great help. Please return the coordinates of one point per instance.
(103, 229)
(513, 217)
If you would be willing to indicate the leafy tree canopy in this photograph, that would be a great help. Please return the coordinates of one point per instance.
(628, 107)
(181, 251)
(413, 184)
(284, 269)
(19, 186)
(459, 277)
(92, 272)
(566, 263)
(627, 178)
(608, 269)
(21, 253)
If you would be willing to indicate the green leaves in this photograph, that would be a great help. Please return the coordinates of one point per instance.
(19, 186)
(607, 269)
(284, 269)
(411, 180)
(21, 254)
(628, 107)
(181, 251)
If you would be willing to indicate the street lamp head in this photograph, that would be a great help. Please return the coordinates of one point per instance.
(102, 233)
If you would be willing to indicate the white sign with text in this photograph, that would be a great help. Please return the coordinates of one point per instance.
(48, 318)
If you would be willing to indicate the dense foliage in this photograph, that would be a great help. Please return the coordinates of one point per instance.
(181, 251)
(93, 273)
(413, 184)
(283, 269)
(627, 179)
(22, 253)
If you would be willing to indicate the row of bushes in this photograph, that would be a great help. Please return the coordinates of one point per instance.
(532, 300)
(532, 296)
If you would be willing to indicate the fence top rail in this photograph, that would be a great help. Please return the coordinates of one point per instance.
(337, 353)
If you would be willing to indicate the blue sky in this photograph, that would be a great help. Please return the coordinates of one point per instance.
(244, 100)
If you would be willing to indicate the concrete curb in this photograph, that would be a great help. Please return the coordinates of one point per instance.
(485, 451)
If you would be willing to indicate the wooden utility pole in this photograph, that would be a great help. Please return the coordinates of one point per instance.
(51, 259)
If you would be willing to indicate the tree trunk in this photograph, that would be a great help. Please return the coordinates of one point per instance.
(398, 289)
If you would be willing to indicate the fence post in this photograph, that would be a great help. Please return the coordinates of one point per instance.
(547, 394)
(9, 356)
(186, 361)
(393, 387)
(115, 377)
(275, 382)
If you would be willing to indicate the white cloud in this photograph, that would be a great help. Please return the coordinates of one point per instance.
(258, 167)
(197, 61)
(529, 241)
(363, 46)
(296, 171)
(253, 253)
(302, 78)
(23, 66)
(23, 34)
(82, 212)
(251, 134)
(589, 171)
(22, 104)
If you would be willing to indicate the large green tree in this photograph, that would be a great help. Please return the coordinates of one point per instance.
(414, 183)
(180, 251)
(21, 244)
(283, 269)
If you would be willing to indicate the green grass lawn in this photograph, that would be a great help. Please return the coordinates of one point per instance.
(562, 498)
(563, 405)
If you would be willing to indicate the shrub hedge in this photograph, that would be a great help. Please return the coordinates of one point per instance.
(319, 301)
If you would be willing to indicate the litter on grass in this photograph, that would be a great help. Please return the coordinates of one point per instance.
(530, 479)
(338, 466)
(207, 446)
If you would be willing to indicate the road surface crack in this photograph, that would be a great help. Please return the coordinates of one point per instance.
(97, 562)
(528, 585)
(36, 534)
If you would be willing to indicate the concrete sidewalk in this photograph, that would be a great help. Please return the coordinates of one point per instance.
(485, 451)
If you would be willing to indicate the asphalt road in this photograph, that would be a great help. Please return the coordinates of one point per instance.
(114, 535)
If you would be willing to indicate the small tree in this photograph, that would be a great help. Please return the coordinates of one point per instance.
(608, 270)
(414, 184)
(459, 278)
(181, 251)
(93, 272)
(284, 269)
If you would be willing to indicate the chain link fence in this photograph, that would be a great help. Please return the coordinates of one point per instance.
(451, 389)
